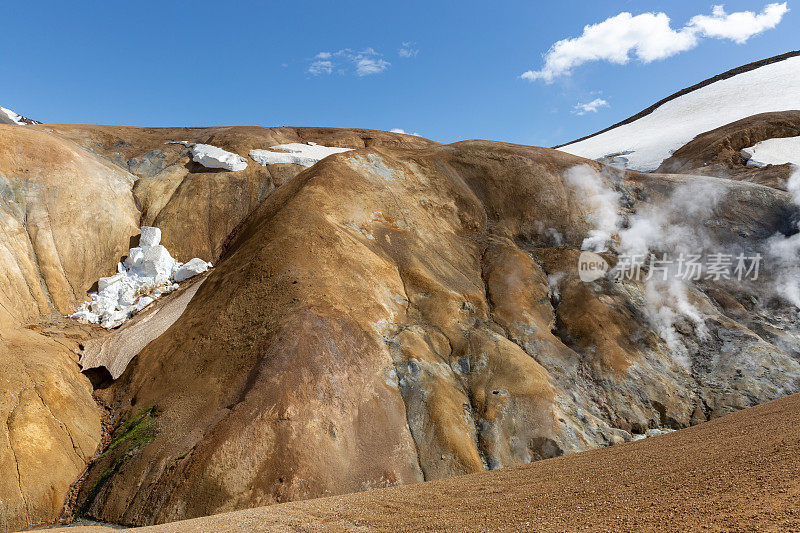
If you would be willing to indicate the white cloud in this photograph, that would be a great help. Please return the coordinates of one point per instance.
(363, 63)
(738, 27)
(407, 49)
(320, 67)
(400, 130)
(589, 107)
(649, 37)
(369, 65)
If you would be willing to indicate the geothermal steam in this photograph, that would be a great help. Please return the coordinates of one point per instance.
(602, 203)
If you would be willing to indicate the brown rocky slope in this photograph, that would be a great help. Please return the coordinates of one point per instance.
(65, 217)
(736, 473)
(393, 315)
(71, 200)
(197, 207)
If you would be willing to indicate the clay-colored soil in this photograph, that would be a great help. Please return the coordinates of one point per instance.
(740, 472)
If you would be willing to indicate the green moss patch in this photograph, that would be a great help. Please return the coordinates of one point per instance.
(128, 438)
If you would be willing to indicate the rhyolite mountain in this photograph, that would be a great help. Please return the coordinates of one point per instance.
(400, 312)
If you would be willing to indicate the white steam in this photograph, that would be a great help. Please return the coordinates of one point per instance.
(784, 252)
(677, 225)
(675, 228)
(602, 203)
(667, 304)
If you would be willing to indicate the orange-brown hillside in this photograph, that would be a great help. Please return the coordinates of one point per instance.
(738, 473)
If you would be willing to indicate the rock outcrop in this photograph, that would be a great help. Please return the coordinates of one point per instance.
(391, 315)
(65, 216)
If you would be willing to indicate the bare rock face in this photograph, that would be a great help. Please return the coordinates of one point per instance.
(65, 218)
(50, 424)
(397, 314)
(718, 152)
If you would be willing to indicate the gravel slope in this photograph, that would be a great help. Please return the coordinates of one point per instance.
(737, 473)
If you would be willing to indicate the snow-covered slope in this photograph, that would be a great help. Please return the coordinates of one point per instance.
(642, 144)
(8, 116)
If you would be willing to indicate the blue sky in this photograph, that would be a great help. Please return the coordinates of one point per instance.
(248, 63)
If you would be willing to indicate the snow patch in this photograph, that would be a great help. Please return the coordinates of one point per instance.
(16, 118)
(213, 157)
(651, 139)
(295, 153)
(147, 273)
(776, 151)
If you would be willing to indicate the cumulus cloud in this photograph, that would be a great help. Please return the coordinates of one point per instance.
(740, 26)
(369, 65)
(649, 37)
(589, 107)
(407, 50)
(363, 63)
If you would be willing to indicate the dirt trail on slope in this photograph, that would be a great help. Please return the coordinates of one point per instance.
(740, 472)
